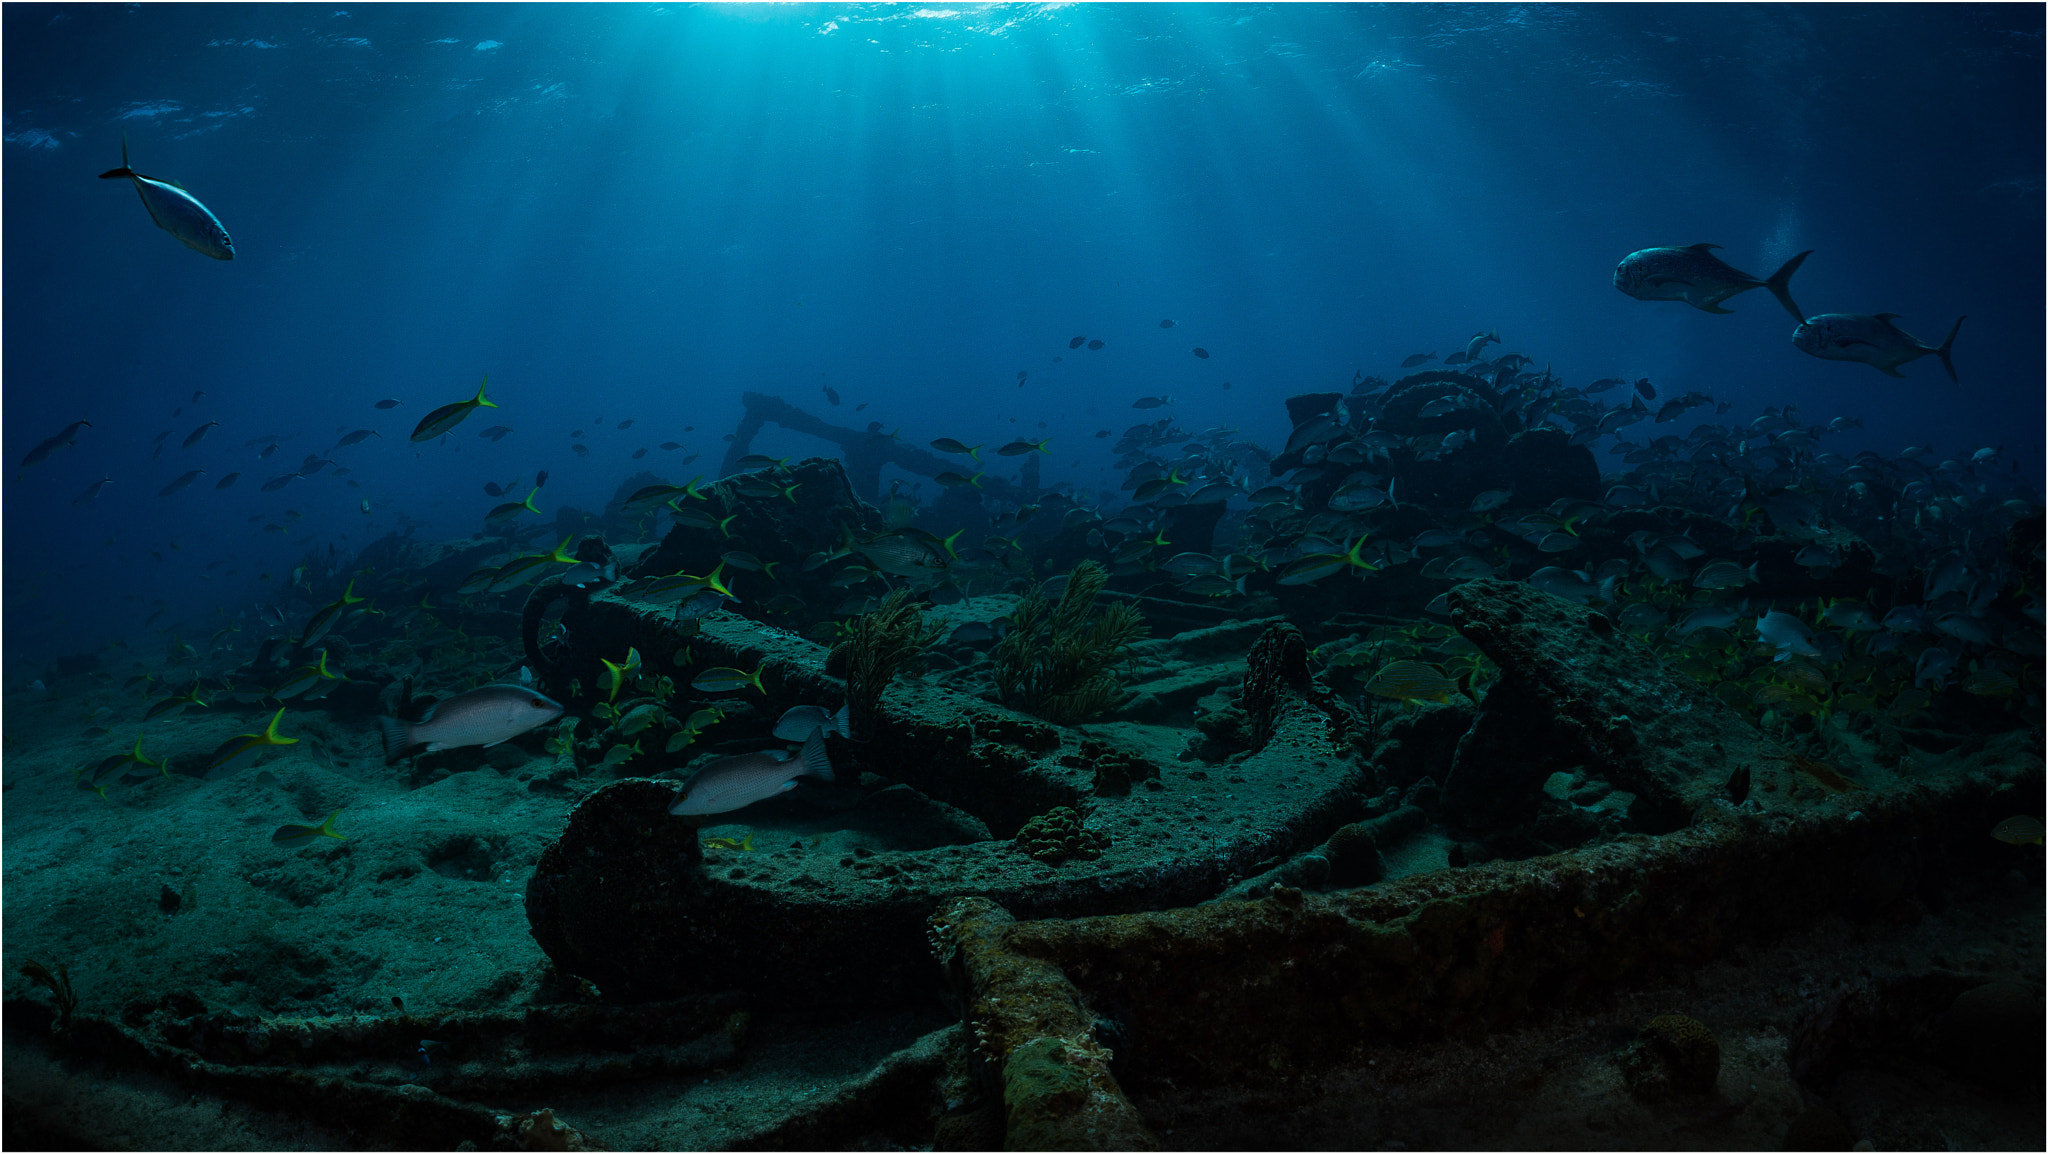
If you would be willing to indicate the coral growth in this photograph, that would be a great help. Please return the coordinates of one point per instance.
(874, 647)
(1058, 836)
(1057, 660)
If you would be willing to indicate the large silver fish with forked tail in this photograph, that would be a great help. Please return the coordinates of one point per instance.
(176, 211)
(1693, 274)
(484, 716)
(1871, 339)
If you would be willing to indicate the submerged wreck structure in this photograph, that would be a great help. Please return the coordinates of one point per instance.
(1167, 868)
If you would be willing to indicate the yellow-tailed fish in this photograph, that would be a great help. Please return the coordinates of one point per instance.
(300, 836)
(328, 616)
(615, 674)
(305, 679)
(244, 748)
(725, 679)
(513, 508)
(450, 415)
(1317, 566)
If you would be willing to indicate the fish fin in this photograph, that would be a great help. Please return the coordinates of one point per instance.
(1893, 371)
(1948, 346)
(1781, 281)
(816, 763)
(397, 736)
(1717, 309)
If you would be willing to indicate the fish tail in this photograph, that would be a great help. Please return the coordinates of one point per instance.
(816, 763)
(397, 736)
(1780, 284)
(1948, 346)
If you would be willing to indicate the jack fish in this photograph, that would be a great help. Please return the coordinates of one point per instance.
(176, 211)
(1693, 274)
(1874, 340)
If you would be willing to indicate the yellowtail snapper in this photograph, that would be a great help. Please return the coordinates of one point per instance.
(300, 836)
(450, 415)
(244, 748)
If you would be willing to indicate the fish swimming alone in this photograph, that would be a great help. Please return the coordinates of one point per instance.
(1693, 274)
(176, 211)
(1872, 339)
(487, 716)
(730, 783)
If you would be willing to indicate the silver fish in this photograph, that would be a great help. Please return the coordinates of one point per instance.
(799, 723)
(1693, 274)
(730, 783)
(176, 211)
(485, 716)
(1872, 339)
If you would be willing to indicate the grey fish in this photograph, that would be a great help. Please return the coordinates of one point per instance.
(41, 453)
(729, 783)
(1872, 339)
(181, 482)
(799, 723)
(1693, 274)
(485, 716)
(176, 211)
(193, 438)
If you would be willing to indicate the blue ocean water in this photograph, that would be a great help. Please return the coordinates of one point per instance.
(640, 211)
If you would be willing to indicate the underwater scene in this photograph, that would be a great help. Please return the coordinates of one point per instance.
(1052, 576)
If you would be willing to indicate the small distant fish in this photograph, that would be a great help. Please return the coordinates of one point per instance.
(1693, 274)
(1412, 681)
(1648, 390)
(358, 437)
(197, 435)
(1478, 342)
(41, 452)
(387, 403)
(725, 679)
(639, 453)
(92, 491)
(1202, 353)
(1077, 342)
(486, 716)
(1095, 344)
(266, 451)
(1873, 340)
(1152, 402)
(226, 481)
(1788, 634)
(1724, 575)
(731, 783)
(496, 433)
(181, 482)
(670, 446)
(2018, 831)
(540, 479)
(949, 445)
(799, 723)
(580, 449)
(493, 489)
(1166, 324)
(628, 422)
(513, 508)
(300, 836)
(1021, 375)
(1491, 499)
(1019, 448)
(450, 415)
(176, 211)
(279, 482)
(1414, 359)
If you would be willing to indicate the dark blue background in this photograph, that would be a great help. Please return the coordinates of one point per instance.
(639, 211)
